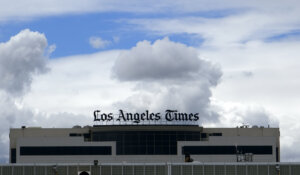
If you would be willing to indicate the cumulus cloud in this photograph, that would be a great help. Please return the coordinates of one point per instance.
(259, 117)
(11, 116)
(98, 43)
(15, 116)
(20, 58)
(237, 114)
(168, 75)
(163, 60)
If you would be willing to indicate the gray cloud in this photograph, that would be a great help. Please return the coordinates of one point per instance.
(20, 58)
(11, 116)
(168, 75)
(163, 60)
(237, 114)
(260, 117)
(63, 120)
(247, 74)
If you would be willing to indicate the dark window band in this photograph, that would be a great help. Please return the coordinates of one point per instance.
(146, 142)
(64, 150)
(277, 154)
(226, 150)
(13, 155)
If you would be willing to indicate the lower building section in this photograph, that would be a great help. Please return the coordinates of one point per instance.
(147, 144)
(154, 169)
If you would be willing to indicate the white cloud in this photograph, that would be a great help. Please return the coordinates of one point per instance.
(236, 114)
(20, 58)
(116, 39)
(259, 87)
(20, 10)
(229, 31)
(82, 83)
(79, 84)
(260, 75)
(51, 49)
(165, 60)
(169, 75)
(98, 43)
(11, 116)
(15, 116)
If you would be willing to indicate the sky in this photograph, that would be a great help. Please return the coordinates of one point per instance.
(233, 62)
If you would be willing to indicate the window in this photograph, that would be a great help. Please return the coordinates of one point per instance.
(64, 150)
(75, 135)
(203, 135)
(215, 134)
(13, 157)
(277, 154)
(146, 142)
(226, 150)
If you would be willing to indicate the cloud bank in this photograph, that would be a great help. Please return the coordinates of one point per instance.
(21, 58)
(168, 75)
(155, 76)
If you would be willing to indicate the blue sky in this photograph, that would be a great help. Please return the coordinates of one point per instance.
(234, 62)
(71, 33)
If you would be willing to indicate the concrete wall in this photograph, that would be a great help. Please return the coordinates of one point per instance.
(60, 137)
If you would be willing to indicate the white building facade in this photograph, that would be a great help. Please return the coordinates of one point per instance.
(143, 144)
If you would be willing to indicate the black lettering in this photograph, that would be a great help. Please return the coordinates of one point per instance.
(157, 116)
(177, 117)
(151, 116)
(183, 116)
(103, 117)
(169, 115)
(121, 116)
(143, 116)
(110, 116)
(196, 117)
(136, 118)
(147, 114)
(191, 115)
(96, 113)
(129, 116)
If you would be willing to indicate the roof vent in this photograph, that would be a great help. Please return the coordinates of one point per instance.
(76, 126)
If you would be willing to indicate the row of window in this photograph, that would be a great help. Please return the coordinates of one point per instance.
(226, 150)
(106, 150)
(64, 150)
